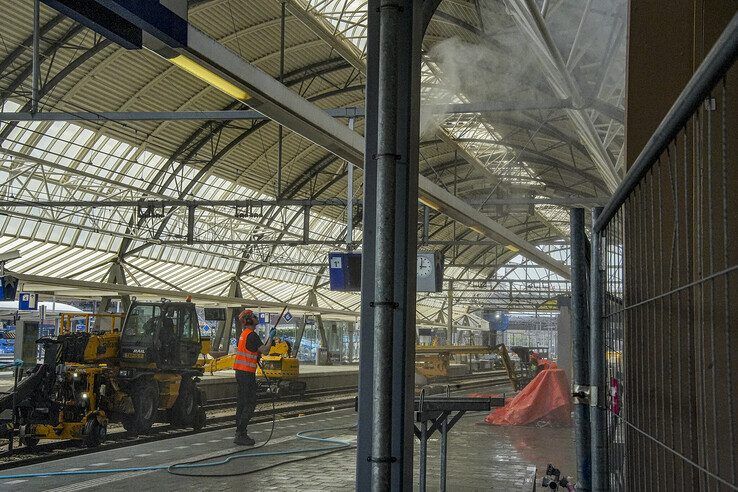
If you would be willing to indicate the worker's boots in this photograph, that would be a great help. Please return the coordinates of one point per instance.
(243, 440)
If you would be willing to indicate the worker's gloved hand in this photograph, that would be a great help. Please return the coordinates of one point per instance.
(272, 333)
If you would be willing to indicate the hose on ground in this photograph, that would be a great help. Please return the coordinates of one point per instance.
(178, 468)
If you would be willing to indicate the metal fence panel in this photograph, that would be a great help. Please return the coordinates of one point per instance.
(670, 306)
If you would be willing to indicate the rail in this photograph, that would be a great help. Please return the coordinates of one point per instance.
(221, 418)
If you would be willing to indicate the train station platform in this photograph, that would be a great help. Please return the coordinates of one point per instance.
(222, 384)
(480, 457)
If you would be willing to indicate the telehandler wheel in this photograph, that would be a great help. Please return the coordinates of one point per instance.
(145, 405)
(200, 416)
(27, 438)
(94, 432)
(184, 411)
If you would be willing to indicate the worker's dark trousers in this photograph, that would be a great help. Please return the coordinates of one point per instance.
(246, 400)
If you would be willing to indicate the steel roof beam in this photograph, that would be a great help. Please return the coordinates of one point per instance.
(434, 195)
(273, 99)
(226, 115)
(346, 50)
(247, 114)
(42, 284)
(71, 287)
(532, 24)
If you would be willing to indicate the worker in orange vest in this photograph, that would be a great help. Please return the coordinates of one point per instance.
(250, 347)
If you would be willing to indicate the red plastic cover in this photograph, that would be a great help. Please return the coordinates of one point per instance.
(546, 398)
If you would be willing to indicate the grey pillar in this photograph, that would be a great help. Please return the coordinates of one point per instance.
(597, 415)
(351, 329)
(223, 333)
(299, 335)
(321, 331)
(450, 313)
(580, 351)
(388, 293)
(563, 336)
(350, 199)
(35, 60)
(116, 275)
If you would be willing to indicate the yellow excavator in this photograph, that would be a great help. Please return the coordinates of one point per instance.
(433, 362)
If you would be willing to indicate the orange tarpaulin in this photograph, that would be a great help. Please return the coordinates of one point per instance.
(545, 398)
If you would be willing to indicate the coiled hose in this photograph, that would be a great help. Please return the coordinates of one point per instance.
(336, 445)
(178, 468)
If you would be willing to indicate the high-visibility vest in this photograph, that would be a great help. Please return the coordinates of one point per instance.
(246, 360)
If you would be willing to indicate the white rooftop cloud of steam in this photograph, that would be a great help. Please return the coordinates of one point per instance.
(503, 68)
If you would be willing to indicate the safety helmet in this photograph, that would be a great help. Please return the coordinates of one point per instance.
(248, 318)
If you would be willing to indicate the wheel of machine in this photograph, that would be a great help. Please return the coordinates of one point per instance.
(27, 438)
(199, 421)
(145, 404)
(200, 417)
(94, 432)
(184, 411)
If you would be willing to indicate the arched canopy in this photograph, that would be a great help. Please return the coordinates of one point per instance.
(535, 131)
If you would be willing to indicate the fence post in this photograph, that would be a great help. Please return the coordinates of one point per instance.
(598, 400)
(580, 347)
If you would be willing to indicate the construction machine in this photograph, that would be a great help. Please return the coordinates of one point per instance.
(278, 370)
(145, 372)
(283, 370)
(433, 362)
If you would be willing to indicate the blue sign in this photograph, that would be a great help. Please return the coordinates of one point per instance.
(287, 316)
(8, 287)
(27, 301)
(265, 318)
(122, 21)
(345, 271)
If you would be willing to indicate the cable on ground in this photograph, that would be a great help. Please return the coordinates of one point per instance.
(175, 469)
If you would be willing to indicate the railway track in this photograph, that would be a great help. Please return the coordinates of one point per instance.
(119, 438)
(218, 418)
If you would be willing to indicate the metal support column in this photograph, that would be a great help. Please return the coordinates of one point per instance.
(36, 62)
(281, 79)
(385, 440)
(423, 455)
(426, 223)
(320, 329)
(450, 314)
(384, 252)
(580, 347)
(350, 329)
(222, 338)
(190, 224)
(350, 199)
(444, 455)
(298, 336)
(597, 381)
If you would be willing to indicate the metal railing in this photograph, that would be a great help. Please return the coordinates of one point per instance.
(667, 296)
